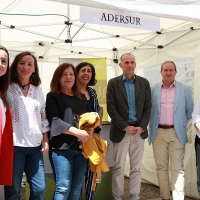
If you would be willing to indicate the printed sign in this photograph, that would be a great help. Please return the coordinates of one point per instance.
(119, 18)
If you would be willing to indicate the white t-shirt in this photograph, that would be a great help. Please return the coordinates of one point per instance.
(196, 114)
(3, 113)
(28, 115)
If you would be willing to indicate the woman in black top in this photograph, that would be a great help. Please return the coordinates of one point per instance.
(86, 77)
(63, 104)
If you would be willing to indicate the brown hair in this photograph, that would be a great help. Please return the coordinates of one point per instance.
(4, 80)
(34, 78)
(55, 82)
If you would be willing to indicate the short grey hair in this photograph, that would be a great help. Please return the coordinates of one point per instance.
(126, 54)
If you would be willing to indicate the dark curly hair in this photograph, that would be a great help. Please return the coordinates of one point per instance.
(93, 80)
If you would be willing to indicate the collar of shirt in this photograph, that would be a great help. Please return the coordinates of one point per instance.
(125, 79)
(172, 85)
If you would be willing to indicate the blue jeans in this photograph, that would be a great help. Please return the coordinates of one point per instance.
(29, 160)
(69, 169)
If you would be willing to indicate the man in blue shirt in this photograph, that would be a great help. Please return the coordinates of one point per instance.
(129, 107)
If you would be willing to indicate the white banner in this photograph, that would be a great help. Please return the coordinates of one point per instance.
(119, 18)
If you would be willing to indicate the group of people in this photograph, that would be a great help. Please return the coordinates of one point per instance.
(29, 127)
(166, 107)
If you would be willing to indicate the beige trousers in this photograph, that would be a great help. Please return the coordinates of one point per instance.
(167, 147)
(135, 147)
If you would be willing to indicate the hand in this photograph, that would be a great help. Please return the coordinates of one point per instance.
(131, 130)
(197, 126)
(44, 146)
(139, 130)
(83, 136)
(90, 132)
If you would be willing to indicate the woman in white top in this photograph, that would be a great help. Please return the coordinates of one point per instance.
(196, 122)
(30, 127)
(6, 138)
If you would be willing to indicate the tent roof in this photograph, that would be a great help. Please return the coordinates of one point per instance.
(187, 10)
(41, 26)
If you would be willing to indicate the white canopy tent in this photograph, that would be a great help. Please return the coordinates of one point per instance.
(41, 26)
(52, 29)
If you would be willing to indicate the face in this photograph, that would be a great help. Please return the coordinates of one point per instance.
(67, 79)
(128, 65)
(84, 75)
(168, 73)
(3, 62)
(25, 67)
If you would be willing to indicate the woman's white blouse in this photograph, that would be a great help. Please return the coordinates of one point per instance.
(196, 114)
(28, 115)
(3, 113)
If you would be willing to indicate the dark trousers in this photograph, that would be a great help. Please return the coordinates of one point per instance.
(197, 149)
(90, 194)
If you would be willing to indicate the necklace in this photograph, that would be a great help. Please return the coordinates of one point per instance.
(23, 88)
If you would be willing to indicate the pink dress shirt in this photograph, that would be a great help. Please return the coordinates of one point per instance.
(167, 104)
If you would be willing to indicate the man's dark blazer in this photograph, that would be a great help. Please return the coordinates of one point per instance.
(118, 110)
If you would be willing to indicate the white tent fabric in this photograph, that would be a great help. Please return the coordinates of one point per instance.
(48, 37)
(187, 10)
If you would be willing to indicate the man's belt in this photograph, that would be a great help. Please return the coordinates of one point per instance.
(132, 123)
(165, 126)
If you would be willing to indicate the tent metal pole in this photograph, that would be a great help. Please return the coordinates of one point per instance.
(146, 43)
(68, 28)
(8, 6)
(77, 31)
(178, 37)
(92, 29)
(103, 32)
(173, 31)
(89, 39)
(74, 52)
(33, 32)
(54, 40)
(36, 25)
(137, 41)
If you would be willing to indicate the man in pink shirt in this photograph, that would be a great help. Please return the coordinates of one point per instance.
(172, 106)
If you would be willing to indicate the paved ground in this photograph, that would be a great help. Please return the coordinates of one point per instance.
(148, 192)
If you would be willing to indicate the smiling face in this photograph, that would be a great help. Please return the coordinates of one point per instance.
(25, 67)
(168, 73)
(3, 62)
(84, 75)
(67, 79)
